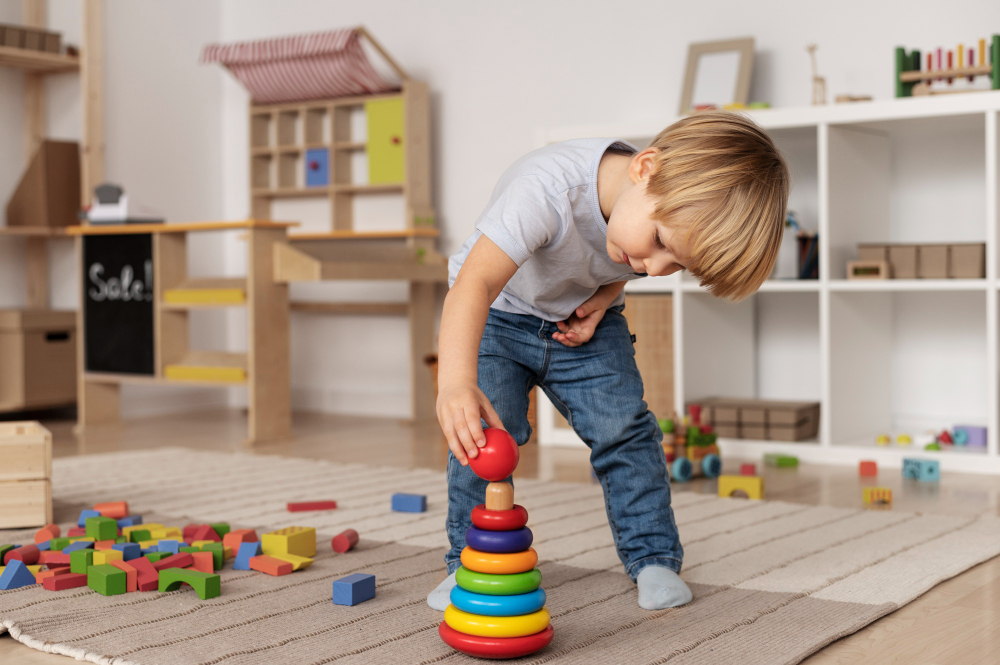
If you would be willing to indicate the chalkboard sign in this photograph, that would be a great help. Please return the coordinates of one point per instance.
(118, 303)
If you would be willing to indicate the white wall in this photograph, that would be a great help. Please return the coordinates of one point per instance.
(498, 72)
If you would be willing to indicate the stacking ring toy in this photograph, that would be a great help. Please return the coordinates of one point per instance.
(486, 626)
(498, 585)
(499, 564)
(498, 542)
(499, 520)
(495, 647)
(497, 606)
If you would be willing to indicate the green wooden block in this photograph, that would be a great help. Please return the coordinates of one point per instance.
(220, 528)
(56, 544)
(206, 585)
(156, 556)
(81, 560)
(139, 535)
(3, 550)
(218, 553)
(106, 579)
(121, 539)
(102, 528)
(781, 461)
(189, 550)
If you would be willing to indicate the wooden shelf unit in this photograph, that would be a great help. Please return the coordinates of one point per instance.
(38, 62)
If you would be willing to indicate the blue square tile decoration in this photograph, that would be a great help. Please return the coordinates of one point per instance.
(317, 167)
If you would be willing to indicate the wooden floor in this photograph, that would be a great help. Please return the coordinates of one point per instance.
(956, 622)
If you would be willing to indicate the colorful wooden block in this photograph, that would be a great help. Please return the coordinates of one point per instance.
(206, 585)
(52, 572)
(298, 562)
(129, 520)
(344, 541)
(113, 509)
(171, 546)
(781, 461)
(206, 532)
(76, 532)
(246, 552)
(921, 469)
(220, 528)
(4, 549)
(131, 575)
(353, 589)
(270, 565)
(409, 503)
(54, 559)
(188, 531)
(303, 506)
(147, 576)
(156, 557)
(867, 468)
(78, 545)
(139, 536)
(203, 561)
(126, 530)
(129, 550)
(234, 539)
(218, 552)
(81, 560)
(102, 557)
(752, 487)
(748, 469)
(27, 554)
(16, 575)
(182, 560)
(201, 543)
(58, 544)
(876, 496)
(81, 521)
(297, 540)
(62, 582)
(47, 532)
(104, 544)
(106, 580)
(101, 528)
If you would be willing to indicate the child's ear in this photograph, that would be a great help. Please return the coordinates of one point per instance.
(642, 164)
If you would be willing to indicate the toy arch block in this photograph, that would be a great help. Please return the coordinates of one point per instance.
(206, 585)
(751, 487)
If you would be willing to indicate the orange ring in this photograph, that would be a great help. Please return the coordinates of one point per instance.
(499, 564)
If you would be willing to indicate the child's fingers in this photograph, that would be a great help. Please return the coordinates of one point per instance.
(456, 447)
(491, 417)
(562, 326)
(465, 436)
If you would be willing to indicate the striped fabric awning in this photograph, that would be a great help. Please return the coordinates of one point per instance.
(301, 67)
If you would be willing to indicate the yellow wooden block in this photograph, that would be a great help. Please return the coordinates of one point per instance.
(146, 544)
(297, 540)
(200, 373)
(80, 539)
(201, 543)
(228, 552)
(107, 556)
(752, 486)
(298, 562)
(876, 495)
(158, 534)
(173, 532)
(204, 296)
(126, 530)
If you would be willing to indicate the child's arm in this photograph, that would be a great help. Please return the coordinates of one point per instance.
(461, 403)
(579, 328)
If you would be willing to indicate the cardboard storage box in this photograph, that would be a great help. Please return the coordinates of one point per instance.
(761, 419)
(903, 261)
(932, 261)
(967, 261)
(38, 357)
(25, 471)
(873, 252)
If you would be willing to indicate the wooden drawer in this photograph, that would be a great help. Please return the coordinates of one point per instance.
(25, 451)
(25, 503)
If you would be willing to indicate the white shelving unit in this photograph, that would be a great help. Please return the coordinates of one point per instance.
(896, 356)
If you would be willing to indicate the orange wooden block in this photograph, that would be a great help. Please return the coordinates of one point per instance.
(270, 565)
(234, 539)
(131, 575)
(45, 574)
(53, 559)
(47, 532)
(113, 509)
(104, 545)
(203, 562)
(867, 468)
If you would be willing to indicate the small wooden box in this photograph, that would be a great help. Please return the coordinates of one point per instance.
(25, 469)
(38, 357)
(932, 262)
(13, 36)
(868, 269)
(903, 261)
(792, 421)
(967, 261)
(25, 503)
(873, 252)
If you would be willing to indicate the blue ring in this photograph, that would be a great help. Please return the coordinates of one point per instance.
(497, 606)
(499, 542)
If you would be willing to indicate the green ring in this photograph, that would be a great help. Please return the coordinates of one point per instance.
(498, 585)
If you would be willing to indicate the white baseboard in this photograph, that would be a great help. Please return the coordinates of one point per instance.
(140, 401)
(389, 403)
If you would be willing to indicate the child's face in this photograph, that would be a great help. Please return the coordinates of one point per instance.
(638, 240)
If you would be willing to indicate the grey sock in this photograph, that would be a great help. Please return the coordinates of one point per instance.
(660, 588)
(440, 598)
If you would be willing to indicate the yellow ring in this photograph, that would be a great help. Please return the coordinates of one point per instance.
(499, 564)
(484, 626)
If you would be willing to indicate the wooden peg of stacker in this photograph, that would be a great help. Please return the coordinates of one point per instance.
(499, 496)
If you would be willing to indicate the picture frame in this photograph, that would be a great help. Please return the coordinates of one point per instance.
(714, 68)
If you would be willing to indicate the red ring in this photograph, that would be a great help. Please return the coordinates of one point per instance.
(499, 520)
(495, 647)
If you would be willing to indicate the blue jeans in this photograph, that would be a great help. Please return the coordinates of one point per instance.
(597, 388)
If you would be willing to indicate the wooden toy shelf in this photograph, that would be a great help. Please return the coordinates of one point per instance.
(38, 62)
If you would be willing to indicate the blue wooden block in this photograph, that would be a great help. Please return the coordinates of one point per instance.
(317, 167)
(17, 575)
(44, 547)
(353, 589)
(131, 520)
(84, 514)
(129, 550)
(171, 546)
(409, 503)
(150, 550)
(78, 545)
(924, 470)
(243, 555)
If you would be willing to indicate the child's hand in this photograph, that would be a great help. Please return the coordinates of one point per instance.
(580, 326)
(459, 410)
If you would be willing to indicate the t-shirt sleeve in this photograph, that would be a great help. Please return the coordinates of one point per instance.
(522, 219)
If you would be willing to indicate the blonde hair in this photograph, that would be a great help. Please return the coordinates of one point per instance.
(719, 178)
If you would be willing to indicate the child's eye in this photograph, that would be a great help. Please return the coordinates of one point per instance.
(659, 243)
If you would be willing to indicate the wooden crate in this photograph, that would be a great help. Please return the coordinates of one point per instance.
(761, 419)
(25, 470)
(38, 357)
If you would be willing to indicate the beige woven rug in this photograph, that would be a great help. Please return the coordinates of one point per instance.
(773, 581)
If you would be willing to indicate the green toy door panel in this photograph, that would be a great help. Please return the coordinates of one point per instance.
(386, 155)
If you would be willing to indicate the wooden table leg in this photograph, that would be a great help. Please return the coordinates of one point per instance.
(423, 296)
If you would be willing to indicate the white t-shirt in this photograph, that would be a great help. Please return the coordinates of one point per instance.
(545, 215)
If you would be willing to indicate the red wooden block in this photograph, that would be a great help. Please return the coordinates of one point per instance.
(270, 565)
(344, 541)
(27, 554)
(203, 561)
(867, 468)
(182, 560)
(47, 532)
(113, 509)
(131, 575)
(76, 531)
(104, 545)
(68, 581)
(188, 531)
(748, 469)
(148, 577)
(205, 532)
(53, 559)
(45, 574)
(234, 539)
(311, 505)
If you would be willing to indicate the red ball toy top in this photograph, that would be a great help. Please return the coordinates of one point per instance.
(498, 458)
